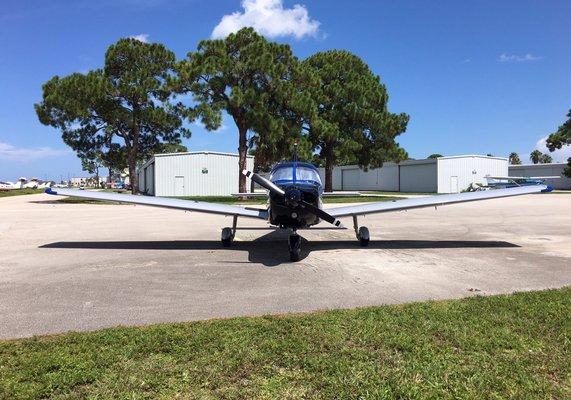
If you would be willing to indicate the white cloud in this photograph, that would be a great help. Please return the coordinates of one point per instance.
(560, 155)
(141, 37)
(518, 58)
(15, 154)
(268, 18)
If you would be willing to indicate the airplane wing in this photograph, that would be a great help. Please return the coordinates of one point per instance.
(440, 200)
(521, 177)
(187, 205)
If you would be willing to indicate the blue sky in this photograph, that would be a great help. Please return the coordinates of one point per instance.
(475, 77)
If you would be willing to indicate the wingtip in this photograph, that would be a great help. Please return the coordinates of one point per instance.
(339, 224)
(547, 189)
(50, 191)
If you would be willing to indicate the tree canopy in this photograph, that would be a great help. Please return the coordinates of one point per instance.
(435, 155)
(352, 123)
(562, 137)
(122, 111)
(253, 80)
(545, 159)
(535, 156)
(331, 106)
(514, 158)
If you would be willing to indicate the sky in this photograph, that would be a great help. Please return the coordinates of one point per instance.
(476, 77)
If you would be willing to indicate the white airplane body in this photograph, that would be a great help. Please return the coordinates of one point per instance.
(31, 184)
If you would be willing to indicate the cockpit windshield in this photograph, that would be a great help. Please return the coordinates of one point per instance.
(301, 174)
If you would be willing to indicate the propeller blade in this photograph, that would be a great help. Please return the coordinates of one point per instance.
(273, 188)
(263, 182)
(321, 214)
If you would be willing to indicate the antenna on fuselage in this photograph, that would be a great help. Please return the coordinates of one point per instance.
(295, 143)
(293, 170)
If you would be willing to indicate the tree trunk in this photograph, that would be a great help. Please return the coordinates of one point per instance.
(251, 181)
(328, 167)
(242, 152)
(132, 154)
(133, 178)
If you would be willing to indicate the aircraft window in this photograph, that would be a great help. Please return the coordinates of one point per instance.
(307, 174)
(281, 174)
(302, 174)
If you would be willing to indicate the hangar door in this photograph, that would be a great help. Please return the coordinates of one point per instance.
(179, 185)
(350, 179)
(454, 184)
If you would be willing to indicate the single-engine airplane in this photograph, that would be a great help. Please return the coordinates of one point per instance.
(294, 202)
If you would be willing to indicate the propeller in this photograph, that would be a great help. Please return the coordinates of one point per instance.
(292, 197)
(263, 182)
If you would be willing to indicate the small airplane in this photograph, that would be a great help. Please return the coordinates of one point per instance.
(504, 182)
(11, 185)
(6, 186)
(294, 202)
(31, 184)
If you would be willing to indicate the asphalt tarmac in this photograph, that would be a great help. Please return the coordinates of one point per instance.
(75, 267)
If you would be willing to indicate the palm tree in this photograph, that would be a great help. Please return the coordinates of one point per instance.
(514, 159)
(535, 156)
(545, 159)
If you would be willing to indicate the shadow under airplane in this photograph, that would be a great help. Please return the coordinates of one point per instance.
(259, 251)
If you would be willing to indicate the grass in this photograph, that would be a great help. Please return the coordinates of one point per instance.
(515, 346)
(326, 200)
(80, 200)
(211, 199)
(19, 192)
(397, 193)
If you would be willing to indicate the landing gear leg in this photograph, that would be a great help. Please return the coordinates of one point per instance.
(228, 234)
(294, 242)
(362, 233)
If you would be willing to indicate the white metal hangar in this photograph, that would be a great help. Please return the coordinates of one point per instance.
(543, 170)
(200, 173)
(441, 175)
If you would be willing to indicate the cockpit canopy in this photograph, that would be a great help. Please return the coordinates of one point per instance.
(305, 173)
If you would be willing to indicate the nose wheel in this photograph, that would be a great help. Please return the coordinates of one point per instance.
(294, 243)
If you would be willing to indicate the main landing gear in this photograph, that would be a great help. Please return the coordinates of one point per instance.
(228, 234)
(361, 232)
(294, 242)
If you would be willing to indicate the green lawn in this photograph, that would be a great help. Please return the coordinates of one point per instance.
(397, 193)
(212, 199)
(19, 192)
(326, 200)
(515, 346)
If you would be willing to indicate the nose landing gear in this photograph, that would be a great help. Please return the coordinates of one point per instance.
(294, 242)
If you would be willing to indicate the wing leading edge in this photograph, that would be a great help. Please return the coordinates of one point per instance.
(440, 200)
(187, 205)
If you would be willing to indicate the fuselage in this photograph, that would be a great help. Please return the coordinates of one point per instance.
(300, 181)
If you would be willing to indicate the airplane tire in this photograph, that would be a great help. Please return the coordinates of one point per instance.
(294, 247)
(227, 237)
(364, 236)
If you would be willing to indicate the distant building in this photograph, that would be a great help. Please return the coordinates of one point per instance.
(200, 173)
(82, 181)
(439, 175)
(539, 170)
